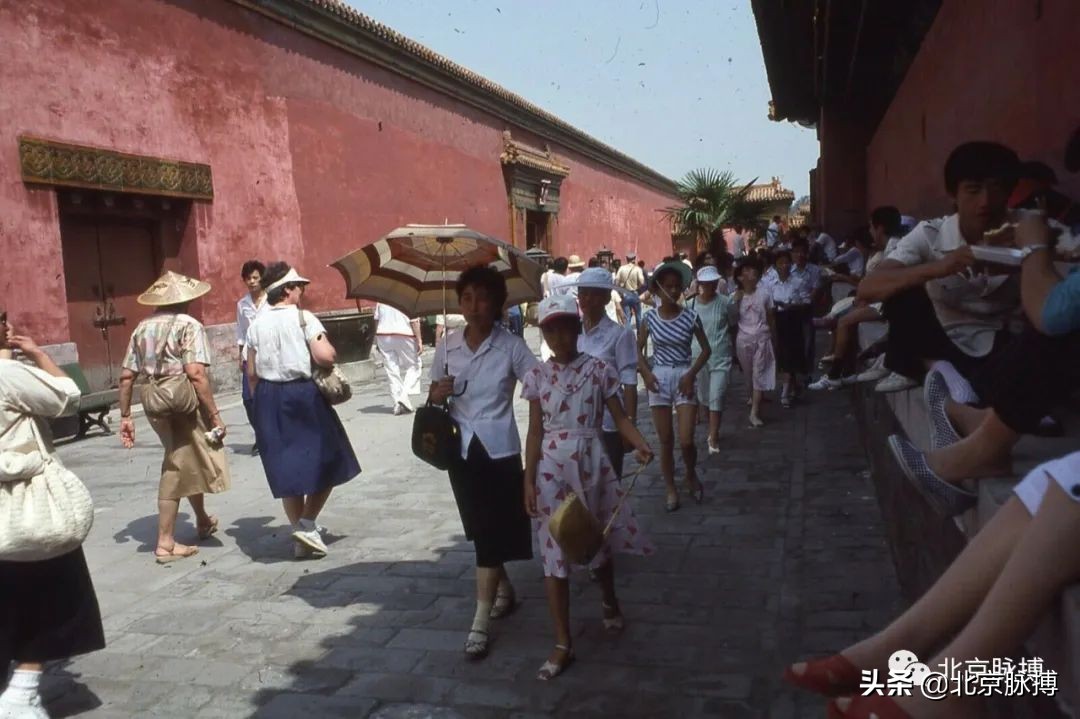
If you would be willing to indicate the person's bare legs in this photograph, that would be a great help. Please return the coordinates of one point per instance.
(755, 408)
(986, 452)
(662, 422)
(294, 508)
(715, 419)
(965, 418)
(1043, 562)
(687, 414)
(198, 508)
(314, 503)
(166, 543)
(952, 600)
(558, 596)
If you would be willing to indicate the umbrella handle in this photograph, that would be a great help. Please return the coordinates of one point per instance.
(464, 386)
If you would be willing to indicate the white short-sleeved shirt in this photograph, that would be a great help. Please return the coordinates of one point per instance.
(616, 345)
(828, 245)
(971, 309)
(246, 312)
(854, 260)
(281, 348)
(390, 321)
(486, 408)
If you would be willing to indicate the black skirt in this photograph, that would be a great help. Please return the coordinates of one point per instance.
(490, 496)
(48, 610)
(791, 340)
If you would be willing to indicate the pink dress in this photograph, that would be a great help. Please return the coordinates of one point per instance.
(572, 398)
(753, 342)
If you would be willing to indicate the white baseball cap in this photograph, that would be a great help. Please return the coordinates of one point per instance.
(558, 305)
(708, 273)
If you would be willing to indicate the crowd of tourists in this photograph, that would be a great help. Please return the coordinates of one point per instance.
(992, 337)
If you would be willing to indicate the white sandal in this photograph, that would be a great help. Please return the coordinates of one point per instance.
(550, 669)
(476, 644)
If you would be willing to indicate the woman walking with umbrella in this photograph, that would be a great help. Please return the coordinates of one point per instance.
(480, 367)
(304, 449)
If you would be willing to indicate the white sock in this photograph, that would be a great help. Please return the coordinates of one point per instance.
(307, 525)
(482, 618)
(22, 688)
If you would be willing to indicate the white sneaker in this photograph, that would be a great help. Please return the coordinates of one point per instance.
(876, 371)
(311, 540)
(825, 383)
(23, 710)
(301, 551)
(895, 383)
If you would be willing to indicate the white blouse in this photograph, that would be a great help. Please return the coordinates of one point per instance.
(486, 408)
(281, 349)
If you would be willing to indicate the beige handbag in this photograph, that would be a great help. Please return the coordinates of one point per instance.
(45, 511)
(331, 382)
(169, 394)
(577, 531)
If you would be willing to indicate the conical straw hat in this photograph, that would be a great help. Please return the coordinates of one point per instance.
(172, 288)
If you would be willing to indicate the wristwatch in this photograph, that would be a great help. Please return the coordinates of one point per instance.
(1025, 252)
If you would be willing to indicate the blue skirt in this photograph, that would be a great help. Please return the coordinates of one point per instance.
(304, 448)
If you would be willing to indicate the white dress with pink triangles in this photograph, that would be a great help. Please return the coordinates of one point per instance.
(572, 399)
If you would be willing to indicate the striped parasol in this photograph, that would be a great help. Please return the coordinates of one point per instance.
(411, 268)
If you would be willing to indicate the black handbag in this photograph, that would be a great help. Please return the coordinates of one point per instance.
(436, 436)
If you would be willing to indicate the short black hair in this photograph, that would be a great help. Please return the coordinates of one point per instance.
(560, 264)
(273, 273)
(776, 217)
(863, 237)
(978, 161)
(594, 262)
(888, 217)
(489, 279)
(781, 253)
(252, 266)
(699, 261)
(800, 242)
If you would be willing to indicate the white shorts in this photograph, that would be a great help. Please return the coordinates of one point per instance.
(711, 387)
(668, 379)
(1064, 470)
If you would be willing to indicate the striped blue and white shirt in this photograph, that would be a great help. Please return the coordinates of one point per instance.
(672, 339)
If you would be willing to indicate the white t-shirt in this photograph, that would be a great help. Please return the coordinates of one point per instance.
(390, 321)
(828, 245)
(971, 309)
(562, 284)
(281, 349)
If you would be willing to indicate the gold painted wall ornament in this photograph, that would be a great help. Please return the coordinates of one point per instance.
(46, 162)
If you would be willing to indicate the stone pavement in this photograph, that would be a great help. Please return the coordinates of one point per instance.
(785, 558)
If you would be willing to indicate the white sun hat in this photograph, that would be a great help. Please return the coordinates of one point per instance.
(291, 277)
(557, 305)
(708, 273)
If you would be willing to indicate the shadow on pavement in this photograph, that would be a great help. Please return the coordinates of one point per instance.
(65, 695)
(260, 538)
(145, 531)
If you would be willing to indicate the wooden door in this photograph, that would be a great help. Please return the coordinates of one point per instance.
(108, 262)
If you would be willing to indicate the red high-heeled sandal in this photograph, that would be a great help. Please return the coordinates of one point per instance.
(833, 676)
(862, 707)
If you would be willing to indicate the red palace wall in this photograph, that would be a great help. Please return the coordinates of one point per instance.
(314, 152)
(987, 69)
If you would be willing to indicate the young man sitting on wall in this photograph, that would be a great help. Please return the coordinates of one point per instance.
(938, 304)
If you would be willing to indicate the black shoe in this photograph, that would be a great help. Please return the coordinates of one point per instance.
(254, 450)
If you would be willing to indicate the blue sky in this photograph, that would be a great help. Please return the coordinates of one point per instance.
(676, 84)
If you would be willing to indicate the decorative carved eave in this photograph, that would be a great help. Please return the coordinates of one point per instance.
(516, 153)
(47, 162)
(335, 23)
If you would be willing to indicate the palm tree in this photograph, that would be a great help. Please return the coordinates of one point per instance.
(711, 199)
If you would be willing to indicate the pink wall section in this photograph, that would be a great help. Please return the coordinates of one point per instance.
(987, 69)
(313, 151)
